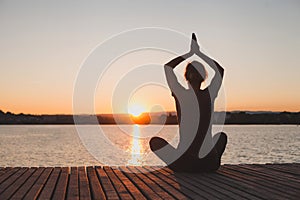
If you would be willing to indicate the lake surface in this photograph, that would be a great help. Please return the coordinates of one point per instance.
(60, 145)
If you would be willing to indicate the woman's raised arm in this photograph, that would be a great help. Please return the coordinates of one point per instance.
(170, 75)
(219, 71)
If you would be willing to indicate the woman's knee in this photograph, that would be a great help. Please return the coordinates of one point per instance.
(221, 136)
(157, 143)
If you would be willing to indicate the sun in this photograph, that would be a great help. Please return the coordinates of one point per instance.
(136, 110)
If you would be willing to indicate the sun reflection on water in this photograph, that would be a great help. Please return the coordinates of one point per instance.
(136, 147)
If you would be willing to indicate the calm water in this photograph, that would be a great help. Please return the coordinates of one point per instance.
(60, 145)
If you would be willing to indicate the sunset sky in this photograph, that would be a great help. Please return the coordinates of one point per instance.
(43, 45)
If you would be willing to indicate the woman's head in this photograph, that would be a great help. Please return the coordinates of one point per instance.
(195, 73)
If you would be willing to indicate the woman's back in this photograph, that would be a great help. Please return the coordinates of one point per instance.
(194, 111)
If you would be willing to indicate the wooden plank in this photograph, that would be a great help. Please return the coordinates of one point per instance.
(84, 189)
(292, 168)
(134, 191)
(228, 190)
(153, 185)
(293, 174)
(8, 173)
(278, 187)
(73, 189)
(171, 180)
(209, 188)
(253, 188)
(39, 184)
(201, 188)
(276, 181)
(96, 189)
(205, 189)
(48, 190)
(108, 188)
(11, 179)
(253, 181)
(16, 185)
(236, 186)
(121, 189)
(167, 187)
(271, 176)
(3, 170)
(20, 194)
(147, 191)
(61, 186)
(286, 169)
(297, 165)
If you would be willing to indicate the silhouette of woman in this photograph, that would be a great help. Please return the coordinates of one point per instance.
(195, 109)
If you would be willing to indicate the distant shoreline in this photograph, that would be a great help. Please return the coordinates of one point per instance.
(147, 124)
(231, 118)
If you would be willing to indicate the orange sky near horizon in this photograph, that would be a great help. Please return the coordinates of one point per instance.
(43, 46)
(67, 109)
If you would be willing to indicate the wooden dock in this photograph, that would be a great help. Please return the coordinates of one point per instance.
(270, 181)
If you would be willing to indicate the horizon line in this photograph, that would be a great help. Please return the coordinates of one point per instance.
(167, 112)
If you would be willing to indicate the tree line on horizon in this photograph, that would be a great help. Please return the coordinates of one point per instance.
(238, 117)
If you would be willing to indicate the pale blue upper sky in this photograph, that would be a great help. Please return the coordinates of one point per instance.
(42, 45)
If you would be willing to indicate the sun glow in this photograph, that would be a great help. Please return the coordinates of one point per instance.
(136, 110)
